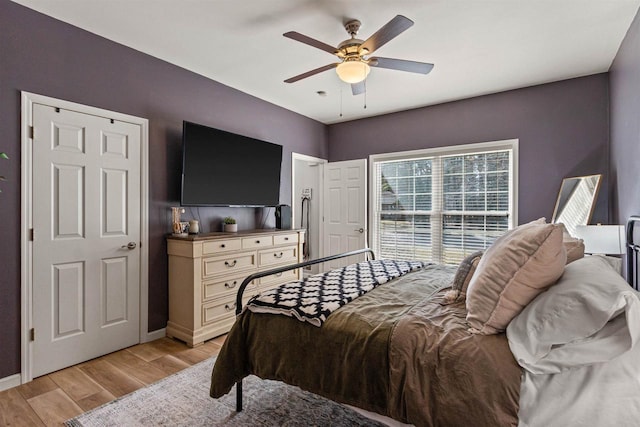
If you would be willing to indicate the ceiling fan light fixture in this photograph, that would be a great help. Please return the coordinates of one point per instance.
(353, 71)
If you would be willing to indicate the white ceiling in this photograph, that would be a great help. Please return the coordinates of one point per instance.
(477, 46)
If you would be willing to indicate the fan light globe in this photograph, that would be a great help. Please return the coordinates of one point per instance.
(353, 71)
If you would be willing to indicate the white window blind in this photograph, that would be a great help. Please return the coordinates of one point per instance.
(442, 206)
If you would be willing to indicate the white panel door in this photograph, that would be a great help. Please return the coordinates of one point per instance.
(86, 222)
(345, 210)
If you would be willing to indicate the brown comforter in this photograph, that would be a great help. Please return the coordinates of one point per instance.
(398, 351)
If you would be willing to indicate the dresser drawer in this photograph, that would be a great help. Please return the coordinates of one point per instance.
(228, 286)
(217, 246)
(257, 242)
(220, 309)
(229, 264)
(285, 239)
(286, 255)
(278, 279)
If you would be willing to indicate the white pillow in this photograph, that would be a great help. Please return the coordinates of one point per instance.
(591, 315)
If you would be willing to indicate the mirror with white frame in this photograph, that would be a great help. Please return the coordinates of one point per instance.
(576, 201)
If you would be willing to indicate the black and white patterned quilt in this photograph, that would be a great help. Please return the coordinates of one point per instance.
(315, 298)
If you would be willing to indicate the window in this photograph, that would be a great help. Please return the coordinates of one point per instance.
(442, 204)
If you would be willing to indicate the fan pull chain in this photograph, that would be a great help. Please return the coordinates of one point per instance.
(365, 94)
(340, 101)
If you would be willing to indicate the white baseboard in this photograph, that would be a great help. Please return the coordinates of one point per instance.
(9, 382)
(157, 334)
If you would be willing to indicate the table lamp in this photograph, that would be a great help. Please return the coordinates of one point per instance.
(602, 239)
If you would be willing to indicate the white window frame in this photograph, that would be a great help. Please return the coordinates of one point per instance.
(507, 144)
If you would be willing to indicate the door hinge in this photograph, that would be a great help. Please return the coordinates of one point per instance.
(31, 234)
(32, 334)
(32, 132)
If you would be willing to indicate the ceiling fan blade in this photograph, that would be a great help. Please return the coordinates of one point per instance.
(358, 88)
(310, 73)
(401, 64)
(388, 32)
(311, 42)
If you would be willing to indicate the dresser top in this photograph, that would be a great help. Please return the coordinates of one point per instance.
(241, 233)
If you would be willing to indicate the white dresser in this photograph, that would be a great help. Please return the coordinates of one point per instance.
(205, 272)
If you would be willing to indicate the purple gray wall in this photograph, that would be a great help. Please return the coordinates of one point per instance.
(563, 129)
(625, 127)
(42, 55)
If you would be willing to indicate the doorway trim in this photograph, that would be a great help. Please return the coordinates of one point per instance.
(26, 244)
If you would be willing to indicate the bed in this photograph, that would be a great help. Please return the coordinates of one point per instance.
(412, 351)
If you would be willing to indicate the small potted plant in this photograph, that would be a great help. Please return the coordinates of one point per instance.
(230, 225)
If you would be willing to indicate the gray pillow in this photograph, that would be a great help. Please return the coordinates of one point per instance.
(462, 278)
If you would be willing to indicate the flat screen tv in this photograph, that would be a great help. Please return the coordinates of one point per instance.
(225, 169)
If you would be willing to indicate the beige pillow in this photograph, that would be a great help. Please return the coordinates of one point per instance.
(518, 266)
(573, 245)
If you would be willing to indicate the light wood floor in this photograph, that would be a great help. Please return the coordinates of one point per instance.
(52, 399)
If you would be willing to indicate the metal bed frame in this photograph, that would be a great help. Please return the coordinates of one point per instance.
(632, 252)
(254, 276)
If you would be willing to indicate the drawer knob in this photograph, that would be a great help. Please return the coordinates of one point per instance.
(257, 242)
(230, 307)
(231, 286)
(278, 256)
(233, 264)
(278, 274)
(222, 245)
(286, 238)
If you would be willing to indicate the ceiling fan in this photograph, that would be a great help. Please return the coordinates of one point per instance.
(355, 53)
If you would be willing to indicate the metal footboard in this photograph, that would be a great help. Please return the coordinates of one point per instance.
(258, 275)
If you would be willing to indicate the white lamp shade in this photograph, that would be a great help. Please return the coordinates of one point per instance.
(602, 239)
(353, 71)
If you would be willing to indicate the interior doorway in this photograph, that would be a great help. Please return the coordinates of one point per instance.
(306, 177)
(332, 199)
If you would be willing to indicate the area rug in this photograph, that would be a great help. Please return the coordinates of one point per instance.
(183, 400)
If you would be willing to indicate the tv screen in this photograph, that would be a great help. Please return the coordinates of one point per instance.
(225, 169)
